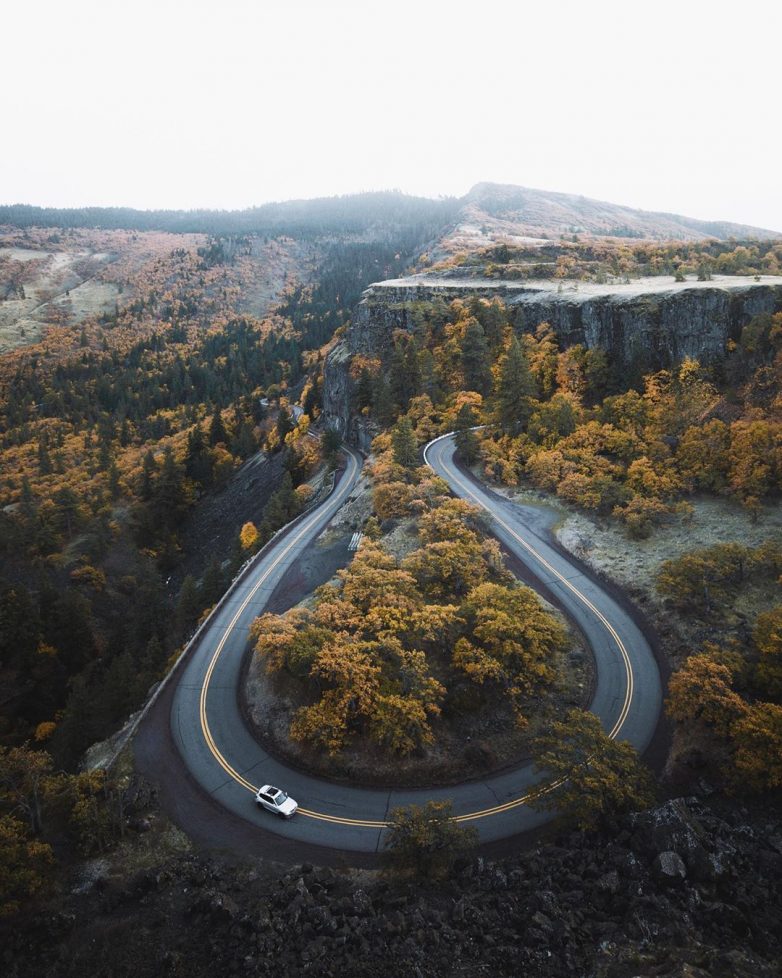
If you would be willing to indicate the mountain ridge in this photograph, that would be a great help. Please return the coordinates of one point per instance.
(488, 211)
(534, 212)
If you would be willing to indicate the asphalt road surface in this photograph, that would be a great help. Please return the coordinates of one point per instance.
(229, 765)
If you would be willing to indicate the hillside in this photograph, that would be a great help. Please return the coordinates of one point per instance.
(491, 213)
(487, 214)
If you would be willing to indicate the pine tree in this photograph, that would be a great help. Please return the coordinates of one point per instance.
(404, 373)
(79, 726)
(475, 358)
(364, 390)
(114, 485)
(516, 386)
(382, 404)
(212, 583)
(148, 473)
(44, 460)
(169, 501)
(404, 444)
(71, 631)
(217, 432)
(20, 631)
(285, 424)
(198, 458)
(466, 440)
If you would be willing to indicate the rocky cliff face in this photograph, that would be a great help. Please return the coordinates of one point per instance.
(644, 325)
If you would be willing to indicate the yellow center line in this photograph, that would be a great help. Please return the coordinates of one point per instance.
(630, 686)
(219, 757)
(369, 823)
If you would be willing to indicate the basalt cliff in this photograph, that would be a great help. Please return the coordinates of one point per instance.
(648, 324)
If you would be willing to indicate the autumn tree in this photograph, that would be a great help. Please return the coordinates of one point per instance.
(514, 640)
(425, 840)
(704, 579)
(754, 457)
(248, 536)
(588, 775)
(702, 455)
(767, 636)
(542, 349)
(24, 776)
(25, 864)
(757, 740)
(702, 691)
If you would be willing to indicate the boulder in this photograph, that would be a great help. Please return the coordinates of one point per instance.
(669, 868)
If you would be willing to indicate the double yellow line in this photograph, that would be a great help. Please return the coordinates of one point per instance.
(208, 736)
(376, 824)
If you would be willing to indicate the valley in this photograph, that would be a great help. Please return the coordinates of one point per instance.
(163, 434)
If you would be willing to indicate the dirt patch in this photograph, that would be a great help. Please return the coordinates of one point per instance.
(634, 564)
(56, 287)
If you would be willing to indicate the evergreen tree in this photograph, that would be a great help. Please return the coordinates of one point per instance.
(44, 460)
(382, 404)
(243, 443)
(114, 484)
(466, 440)
(188, 606)
(476, 361)
(217, 432)
(20, 630)
(70, 631)
(198, 458)
(169, 500)
(79, 727)
(152, 662)
(285, 424)
(516, 386)
(148, 473)
(404, 444)
(67, 510)
(212, 583)
(364, 390)
(119, 691)
(404, 373)
(331, 443)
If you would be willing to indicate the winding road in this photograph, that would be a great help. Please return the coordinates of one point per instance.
(229, 764)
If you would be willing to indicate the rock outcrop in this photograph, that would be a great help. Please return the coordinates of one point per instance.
(644, 325)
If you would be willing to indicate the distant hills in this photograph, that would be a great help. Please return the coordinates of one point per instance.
(487, 214)
(540, 213)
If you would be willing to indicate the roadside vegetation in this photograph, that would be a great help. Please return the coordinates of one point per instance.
(113, 431)
(632, 450)
(726, 697)
(394, 645)
(563, 421)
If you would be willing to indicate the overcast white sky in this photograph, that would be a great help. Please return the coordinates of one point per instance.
(230, 103)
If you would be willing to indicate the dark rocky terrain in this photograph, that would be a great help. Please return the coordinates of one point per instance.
(691, 888)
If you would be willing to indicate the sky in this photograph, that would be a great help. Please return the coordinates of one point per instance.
(184, 103)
